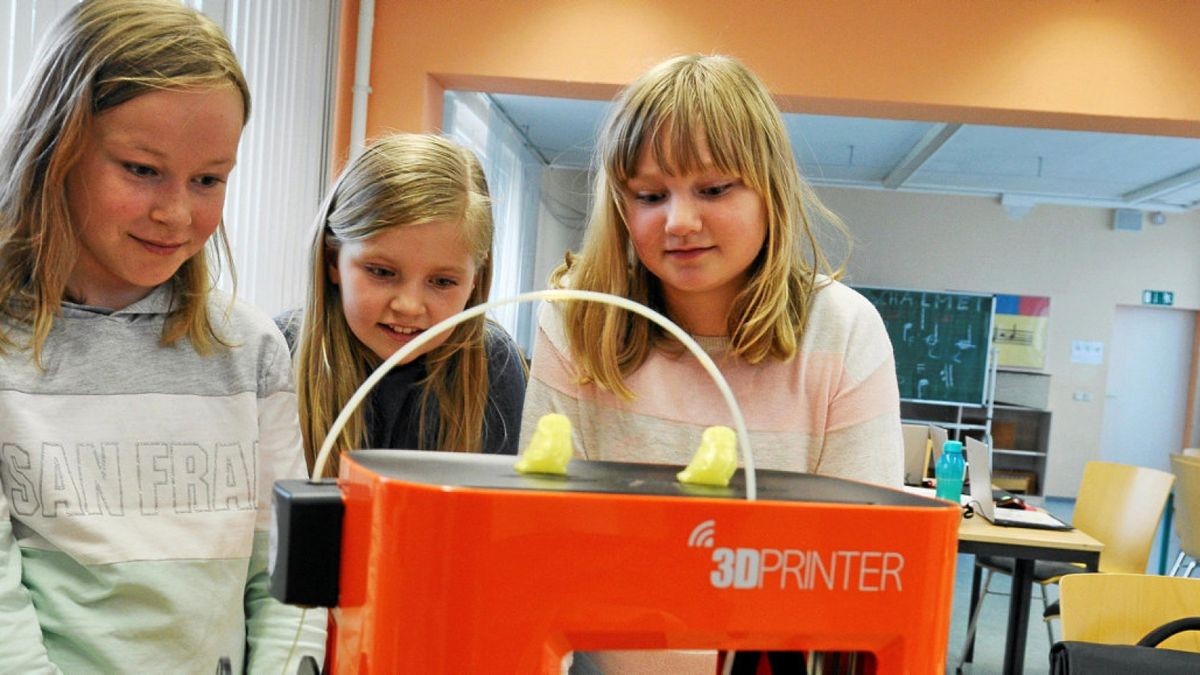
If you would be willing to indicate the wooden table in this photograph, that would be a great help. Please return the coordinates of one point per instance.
(1025, 545)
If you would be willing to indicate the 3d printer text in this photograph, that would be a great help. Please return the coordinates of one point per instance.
(863, 571)
(798, 569)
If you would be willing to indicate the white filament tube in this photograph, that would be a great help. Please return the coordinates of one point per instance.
(550, 295)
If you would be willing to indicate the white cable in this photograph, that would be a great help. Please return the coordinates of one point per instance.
(550, 295)
(295, 642)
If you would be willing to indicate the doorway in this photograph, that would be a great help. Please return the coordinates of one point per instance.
(1146, 397)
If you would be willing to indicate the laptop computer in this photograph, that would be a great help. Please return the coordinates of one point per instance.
(982, 498)
(937, 437)
(916, 452)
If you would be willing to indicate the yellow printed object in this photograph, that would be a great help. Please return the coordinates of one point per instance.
(715, 460)
(550, 448)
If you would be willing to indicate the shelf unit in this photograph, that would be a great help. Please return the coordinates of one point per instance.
(957, 419)
(1019, 437)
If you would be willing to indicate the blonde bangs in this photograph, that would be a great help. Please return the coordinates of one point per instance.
(667, 123)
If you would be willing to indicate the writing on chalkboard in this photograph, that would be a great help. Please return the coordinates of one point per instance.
(941, 341)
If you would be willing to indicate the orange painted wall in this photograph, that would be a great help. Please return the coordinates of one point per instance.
(1111, 65)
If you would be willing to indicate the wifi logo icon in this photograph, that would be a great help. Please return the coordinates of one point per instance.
(702, 535)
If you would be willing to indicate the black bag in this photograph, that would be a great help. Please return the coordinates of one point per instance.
(1074, 658)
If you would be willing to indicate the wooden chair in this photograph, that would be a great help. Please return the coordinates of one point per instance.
(1187, 510)
(1123, 608)
(1119, 505)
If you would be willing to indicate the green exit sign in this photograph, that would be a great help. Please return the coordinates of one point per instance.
(1158, 298)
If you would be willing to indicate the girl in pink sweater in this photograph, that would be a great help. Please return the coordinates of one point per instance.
(700, 213)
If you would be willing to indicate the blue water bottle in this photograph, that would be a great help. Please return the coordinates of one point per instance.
(949, 471)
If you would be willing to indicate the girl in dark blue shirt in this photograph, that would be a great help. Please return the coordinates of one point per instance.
(402, 242)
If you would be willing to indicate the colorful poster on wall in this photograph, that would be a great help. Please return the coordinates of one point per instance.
(1020, 330)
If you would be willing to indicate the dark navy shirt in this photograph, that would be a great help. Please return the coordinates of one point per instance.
(392, 407)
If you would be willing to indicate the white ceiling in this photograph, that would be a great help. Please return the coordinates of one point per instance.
(1021, 167)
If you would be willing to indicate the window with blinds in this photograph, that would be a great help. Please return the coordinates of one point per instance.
(287, 52)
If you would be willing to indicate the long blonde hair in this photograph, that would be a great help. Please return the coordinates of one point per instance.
(398, 180)
(668, 111)
(101, 54)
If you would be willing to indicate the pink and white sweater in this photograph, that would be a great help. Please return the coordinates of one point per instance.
(833, 409)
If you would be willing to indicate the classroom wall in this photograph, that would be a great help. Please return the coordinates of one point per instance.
(1081, 64)
(1071, 254)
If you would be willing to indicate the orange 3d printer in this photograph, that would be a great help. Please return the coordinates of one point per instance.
(461, 563)
(451, 563)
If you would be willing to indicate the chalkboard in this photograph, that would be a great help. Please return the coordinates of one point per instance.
(941, 340)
